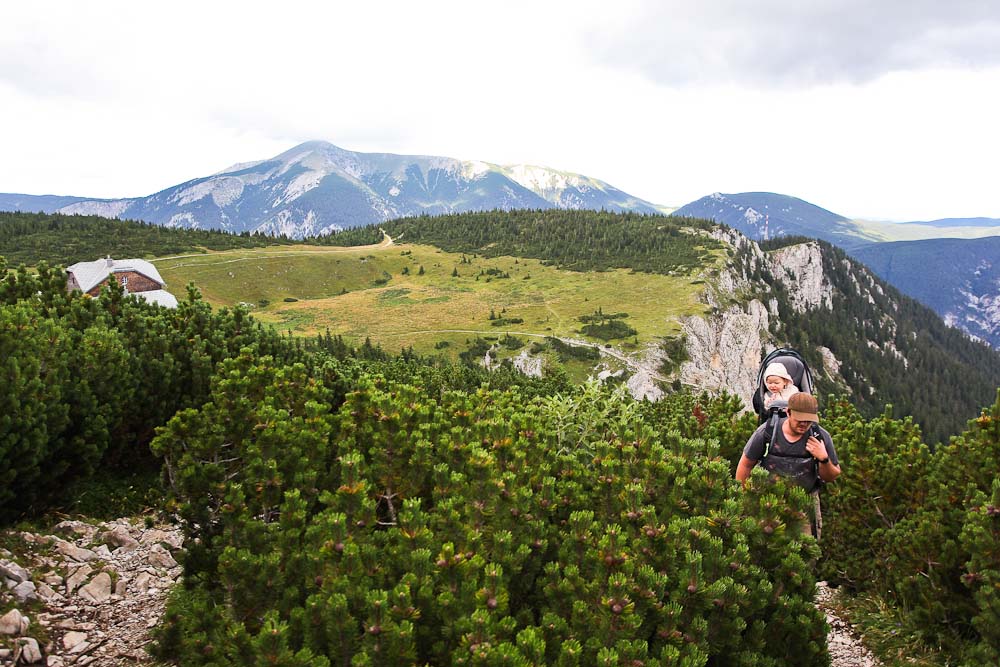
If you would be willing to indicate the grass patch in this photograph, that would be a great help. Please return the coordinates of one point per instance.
(334, 288)
(395, 297)
(888, 633)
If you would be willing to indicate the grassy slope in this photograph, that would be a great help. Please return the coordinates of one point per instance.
(337, 288)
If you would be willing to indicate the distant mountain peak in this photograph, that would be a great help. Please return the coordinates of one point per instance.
(768, 215)
(317, 187)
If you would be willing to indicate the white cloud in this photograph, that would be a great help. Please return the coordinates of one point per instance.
(778, 43)
(124, 99)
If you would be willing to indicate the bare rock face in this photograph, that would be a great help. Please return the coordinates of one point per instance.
(726, 346)
(725, 349)
(527, 364)
(801, 267)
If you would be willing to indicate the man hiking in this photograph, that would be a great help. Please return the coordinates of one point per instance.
(798, 449)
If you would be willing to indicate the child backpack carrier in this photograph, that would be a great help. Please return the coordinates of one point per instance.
(802, 377)
(796, 367)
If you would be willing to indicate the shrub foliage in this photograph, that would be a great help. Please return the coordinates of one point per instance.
(472, 528)
(920, 529)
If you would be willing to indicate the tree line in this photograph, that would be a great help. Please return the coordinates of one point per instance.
(30, 238)
(573, 240)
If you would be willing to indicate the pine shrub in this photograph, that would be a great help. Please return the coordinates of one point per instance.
(472, 528)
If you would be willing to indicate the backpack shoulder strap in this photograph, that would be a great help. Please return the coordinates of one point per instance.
(770, 433)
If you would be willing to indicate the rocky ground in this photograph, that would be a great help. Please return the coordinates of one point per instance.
(88, 594)
(846, 649)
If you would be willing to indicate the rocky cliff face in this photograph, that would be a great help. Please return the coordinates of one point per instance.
(725, 349)
(726, 346)
(801, 268)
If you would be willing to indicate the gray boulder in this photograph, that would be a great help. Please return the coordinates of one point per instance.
(98, 591)
(13, 623)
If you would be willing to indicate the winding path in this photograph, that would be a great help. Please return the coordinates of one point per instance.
(846, 649)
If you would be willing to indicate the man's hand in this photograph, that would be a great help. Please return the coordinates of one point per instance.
(817, 448)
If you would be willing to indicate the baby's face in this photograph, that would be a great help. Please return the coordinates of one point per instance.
(775, 383)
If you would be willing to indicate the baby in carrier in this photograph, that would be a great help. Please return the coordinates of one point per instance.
(779, 384)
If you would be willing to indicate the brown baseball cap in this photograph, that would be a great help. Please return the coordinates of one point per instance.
(803, 407)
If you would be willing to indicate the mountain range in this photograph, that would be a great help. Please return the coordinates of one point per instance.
(317, 188)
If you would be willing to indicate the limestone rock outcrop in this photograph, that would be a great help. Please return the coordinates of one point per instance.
(725, 349)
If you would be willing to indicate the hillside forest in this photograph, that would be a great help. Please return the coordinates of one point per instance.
(345, 505)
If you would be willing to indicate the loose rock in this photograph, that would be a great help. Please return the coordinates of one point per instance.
(845, 649)
(73, 639)
(119, 536)
(78, 577)
(76, 553)
(74, 528)
(155, 535)
(98, 590)
(13, 623)
(13, 571)
(117, 631)
(46, 593)
(160, 557)
(30, 652)
(25, 592)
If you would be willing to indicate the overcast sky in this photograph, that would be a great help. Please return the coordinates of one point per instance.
(876, 109)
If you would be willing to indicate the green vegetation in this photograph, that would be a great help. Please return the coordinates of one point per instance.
(86, 381)
(567, 351)
(390, 527)
(574, 240)
(606, 327)
(675, 352)
(30, 238)
(599, 316)
(344, 505)
(511, 342)
(918, 531)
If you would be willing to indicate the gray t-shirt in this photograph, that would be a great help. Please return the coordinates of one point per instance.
(787, 458)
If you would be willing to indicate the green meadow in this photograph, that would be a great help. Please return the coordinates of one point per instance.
(379, 292)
